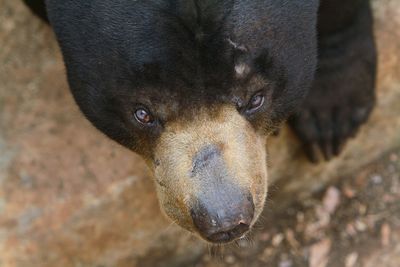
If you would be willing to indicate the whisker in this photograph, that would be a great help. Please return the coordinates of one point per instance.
(168, 228)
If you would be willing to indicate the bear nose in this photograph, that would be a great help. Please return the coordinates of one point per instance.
(222, 225)
(223, 210)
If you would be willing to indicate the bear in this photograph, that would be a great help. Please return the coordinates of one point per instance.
(196, 87)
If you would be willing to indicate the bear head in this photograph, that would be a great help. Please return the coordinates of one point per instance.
(195, 87)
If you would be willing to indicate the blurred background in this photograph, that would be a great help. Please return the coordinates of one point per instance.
(71, 197)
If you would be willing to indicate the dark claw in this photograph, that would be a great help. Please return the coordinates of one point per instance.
(326, 132)
(341, 130)
(325, 127)
(327, 150)
(311, 150)
(360, 115)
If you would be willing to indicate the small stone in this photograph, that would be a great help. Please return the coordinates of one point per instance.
(230, 259)
(348, 191)
(360, 226)
(266, 254)
(385, 234)
(300, 217)
(290, 237)
(387, 198)
(331, 199)
(277, 239)
(324, 216)
(351, 259)
(362, 209)
(351, 230)
(265, 237)
(286, 263)
(319, 253)
(376, 179)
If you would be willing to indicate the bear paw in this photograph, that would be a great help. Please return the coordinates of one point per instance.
(326, 130)
(342, 95)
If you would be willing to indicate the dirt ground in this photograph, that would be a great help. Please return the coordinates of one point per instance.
(352, 223)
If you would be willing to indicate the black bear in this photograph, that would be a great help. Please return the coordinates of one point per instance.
(196, 86)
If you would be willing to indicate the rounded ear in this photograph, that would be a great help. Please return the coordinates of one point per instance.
(38, 7)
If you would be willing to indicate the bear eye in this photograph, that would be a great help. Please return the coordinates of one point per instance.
(255, 103)
(143, 116)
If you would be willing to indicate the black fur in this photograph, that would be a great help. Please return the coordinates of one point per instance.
(343, 94)
(174, 56)
(38, 8)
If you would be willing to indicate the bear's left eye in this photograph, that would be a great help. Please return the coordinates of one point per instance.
(143, 116)
(255, 103)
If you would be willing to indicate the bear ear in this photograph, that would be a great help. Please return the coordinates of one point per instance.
(242, 68)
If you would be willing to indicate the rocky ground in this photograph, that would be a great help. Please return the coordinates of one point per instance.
(352, 223)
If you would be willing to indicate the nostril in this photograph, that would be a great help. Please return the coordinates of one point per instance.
(229, 235)
(240, 229)
(223, 221)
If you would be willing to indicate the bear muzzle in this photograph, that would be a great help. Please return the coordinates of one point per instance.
(211, 174)
(222, 210)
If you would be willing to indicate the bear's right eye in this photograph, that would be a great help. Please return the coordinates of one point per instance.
(143, 116)
(256, 102)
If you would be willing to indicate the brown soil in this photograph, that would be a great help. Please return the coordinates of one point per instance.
(354, 222)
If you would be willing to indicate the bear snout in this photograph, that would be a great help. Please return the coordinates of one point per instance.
(211, 176)
(223, 219)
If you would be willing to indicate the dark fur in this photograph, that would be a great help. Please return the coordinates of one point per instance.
(38, 8)
(342, 95)
(173, 56)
